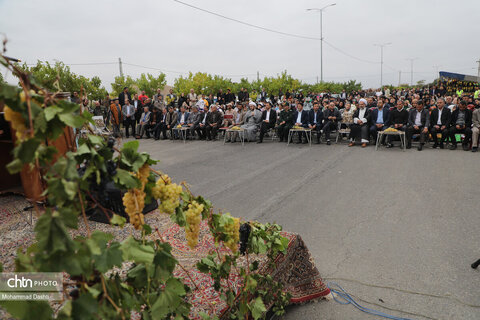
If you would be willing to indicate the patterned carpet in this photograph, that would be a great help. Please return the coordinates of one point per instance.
(296, 270)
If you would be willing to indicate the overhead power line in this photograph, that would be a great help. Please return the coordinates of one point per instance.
(348, 54)
(276, 31)
(247, 23)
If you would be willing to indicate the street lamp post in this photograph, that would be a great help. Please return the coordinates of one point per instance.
(411, 69)
(320, 10)
(381, 60)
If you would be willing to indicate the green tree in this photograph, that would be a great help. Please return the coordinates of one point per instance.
(150, 83)
(60, 77)
(120, 83)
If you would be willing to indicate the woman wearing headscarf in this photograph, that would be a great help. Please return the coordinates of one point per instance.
(253, 117)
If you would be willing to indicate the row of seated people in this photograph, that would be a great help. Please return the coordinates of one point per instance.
(364, 122)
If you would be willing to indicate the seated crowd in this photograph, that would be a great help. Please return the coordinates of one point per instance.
(361, 115)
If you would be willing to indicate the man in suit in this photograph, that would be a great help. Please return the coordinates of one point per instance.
(461, 122)
(137, 104)
(183, 116)
(201, 126)
(301, 118)
(155, 116)
(439, 122)
(193, 120)
(128, 113)
(398, 120)
(124, 96)
(285, 122)
(214, 121)
(331, 118)
(172, 119)
(269, 118)
(359, 128)
(229, 97)
(161, 126)
(143, 125)
(380, 118)
(316, 120)
(418, 122)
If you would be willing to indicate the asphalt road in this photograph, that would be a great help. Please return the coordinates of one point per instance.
(408, 220)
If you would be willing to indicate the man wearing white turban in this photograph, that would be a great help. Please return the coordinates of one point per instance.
(253, 117)
(359, 128)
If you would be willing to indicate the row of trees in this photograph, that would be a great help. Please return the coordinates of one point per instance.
(211, 84)
(58, 76)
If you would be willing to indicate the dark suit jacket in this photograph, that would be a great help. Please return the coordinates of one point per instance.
(367, 115)
(312, 117)
(273, 117)
(172, 119)
(214, 117)
(468, 118)
(331, 113)
(305, 118)
(445, 118)
(121, 98)
(386, 116)
(187, 115)
(425, 117)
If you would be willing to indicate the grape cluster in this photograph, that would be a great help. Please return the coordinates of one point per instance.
(143, 174)
(194, 217)
(244, 235)
(233, 231)
(18, 123)
(168, 193)
(134, 201)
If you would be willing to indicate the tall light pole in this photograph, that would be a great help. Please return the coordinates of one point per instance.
(411, 69)
(320, 10)
(381, 60)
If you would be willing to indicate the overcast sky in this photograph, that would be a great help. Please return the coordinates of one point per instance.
(164, 34)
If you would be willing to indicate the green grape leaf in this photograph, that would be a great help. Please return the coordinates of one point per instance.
(124, 179)
(72, 120)
(51, 112)
(257, 307)
(179, 217)
(15, 166)
(169, 299)
(95, 139)
(147, 229)
(118, 220)
(40, 122)
(26, 150)
(28, 310)
(112, 256)
(85, 307)
(135, 251)
(51, 234)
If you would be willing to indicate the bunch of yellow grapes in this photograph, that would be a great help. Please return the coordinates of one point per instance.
(134, 201)
(18, 123)
(233, 231)
(168, 193)
(143, 174)
(194, 218)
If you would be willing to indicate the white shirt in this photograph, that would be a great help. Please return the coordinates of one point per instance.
(439, 121)
(182, 118)
(268, 115)
(299, 117)
(204, 118)
(418, 119)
